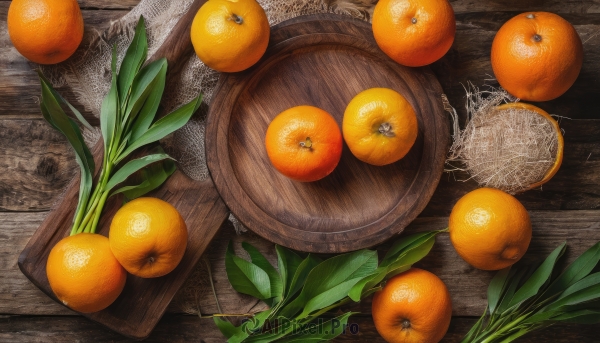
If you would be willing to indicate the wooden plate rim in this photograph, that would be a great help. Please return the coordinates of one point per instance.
(226, 95)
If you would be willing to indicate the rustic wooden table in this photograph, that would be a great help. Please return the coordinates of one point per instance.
(36, 164)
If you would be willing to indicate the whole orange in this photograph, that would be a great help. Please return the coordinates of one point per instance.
(148, 237)
(490, 229)
(414, 306)
(537, 56)
(45, 31)
(304, 143)
(379, 126)
(230, 35)
(83, 272)
(414, 33)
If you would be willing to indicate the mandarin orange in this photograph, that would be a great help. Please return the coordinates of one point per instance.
(45, 31)
(537, 56)
(148, 236)
(230, 35)
(412, 307)
(414, 33)
(83, 272)
(304, 143)
(490, 229)
(380, 126)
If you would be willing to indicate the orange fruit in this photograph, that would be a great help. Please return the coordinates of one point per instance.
(83, 272)
(490, 229)
(559, 137)
(537, 56)
(379, 126)
(45, 31)
(414, 306)
(414, 33)
(230, 35)
(148, 237)
(304, 143)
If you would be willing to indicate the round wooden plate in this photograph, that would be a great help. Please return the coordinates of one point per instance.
(324, 61)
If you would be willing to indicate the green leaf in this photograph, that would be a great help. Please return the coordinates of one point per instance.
(576, 271)
(305, 267)
(399, 258)
(476, 329)
(515, 277)
(109, 112)
(227, 329)
(578, 297)
(150, 77)
(133, 60)
(59, 120)
(274, 278)
(539, 277)
(589, 281)
(288, 262)
(405, 244)
(245, 277)
(579, 317)
(152, 177)
(164, 126)
(55, 115)
(412, 254)
(47, 116)
(366, 283)
(131, 167)
(339, 273)
(65, 102)
(148, 112)
(496, 288)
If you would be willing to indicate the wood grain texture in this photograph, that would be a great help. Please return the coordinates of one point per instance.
(323, 61)
(467, 60)
(467, 286)
(36, 163)
(574, 187)
(102, 4)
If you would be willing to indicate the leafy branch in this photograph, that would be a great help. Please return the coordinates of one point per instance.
(127, 123)
(301, 290)
(528, 298)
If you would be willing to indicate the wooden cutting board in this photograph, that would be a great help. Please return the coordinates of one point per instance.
(322, 60)
(143, 301)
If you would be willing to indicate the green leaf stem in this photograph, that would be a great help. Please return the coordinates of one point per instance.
(525, 298)
(126, 118)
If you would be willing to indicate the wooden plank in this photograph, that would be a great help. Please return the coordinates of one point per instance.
(182, 329)
(557, 6)
(466, 284)
(467, 60)
(103, 4)
(36, 164)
